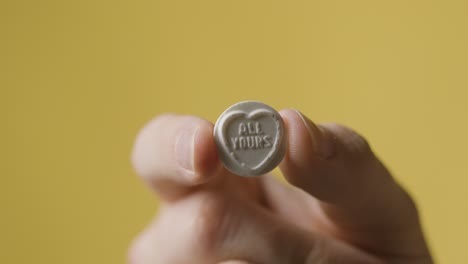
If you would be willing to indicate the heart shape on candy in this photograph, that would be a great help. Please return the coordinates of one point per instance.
(250, 138)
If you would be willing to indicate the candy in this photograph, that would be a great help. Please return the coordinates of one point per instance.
(250, 138)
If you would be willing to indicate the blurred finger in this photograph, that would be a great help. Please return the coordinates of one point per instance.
(336, 165)
(174, 154)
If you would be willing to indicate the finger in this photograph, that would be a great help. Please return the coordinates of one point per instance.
(174, 154)
(235, 262)
(357, 193)
(292, 204)
(207, 228)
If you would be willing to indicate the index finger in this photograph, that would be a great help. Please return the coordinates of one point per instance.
(356, 192)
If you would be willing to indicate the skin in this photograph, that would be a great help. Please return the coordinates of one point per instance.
(339, 205)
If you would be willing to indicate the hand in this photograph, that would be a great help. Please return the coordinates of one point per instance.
(341, 206)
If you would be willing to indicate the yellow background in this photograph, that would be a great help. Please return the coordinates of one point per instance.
(79, 78)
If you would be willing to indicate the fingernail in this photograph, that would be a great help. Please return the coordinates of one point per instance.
(322, 144)
(184, 149)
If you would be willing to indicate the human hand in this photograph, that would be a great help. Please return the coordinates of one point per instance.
(342, 206)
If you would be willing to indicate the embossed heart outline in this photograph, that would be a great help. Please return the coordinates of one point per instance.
(252, 116)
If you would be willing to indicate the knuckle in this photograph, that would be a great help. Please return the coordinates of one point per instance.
(210, 229)
(194, 226)
(319, 253)
(351, 141)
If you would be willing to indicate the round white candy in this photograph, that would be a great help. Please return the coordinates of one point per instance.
(250, 138)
